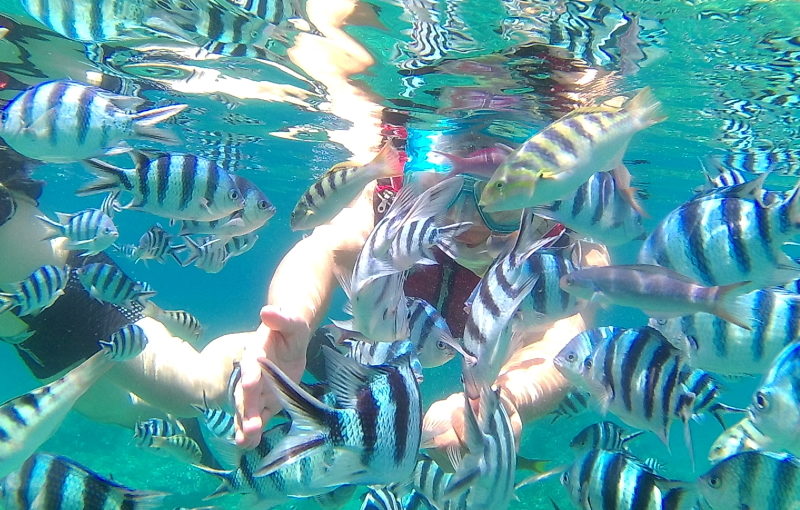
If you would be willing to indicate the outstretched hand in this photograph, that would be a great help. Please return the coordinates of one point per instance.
(283, 340)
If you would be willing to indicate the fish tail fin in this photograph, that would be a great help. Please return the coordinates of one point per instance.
(7, 301)
(645, 108)
(387, 163)
(445, 236)
(143, 500)
(226, 477)
(144, 124)
(728, 306)
(109, 178)
(194, 251)
(56, 228)
(790, 208)
(308, 417)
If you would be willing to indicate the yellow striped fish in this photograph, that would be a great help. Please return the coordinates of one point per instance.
(556, 161)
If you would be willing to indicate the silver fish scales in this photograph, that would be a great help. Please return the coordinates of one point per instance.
(90, 230)
(38, 291)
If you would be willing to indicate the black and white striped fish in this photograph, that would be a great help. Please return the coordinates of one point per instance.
(180, 323)
(741, 437)
(641, 378)
(255, 214)
(341, 185)
(178, 446)
(489, 466)
(58, 483)
(64, 121)
(29, 420)
(605, 435)
(144, 431)
(752, 480)
(758, 160)
(177, 186)
(711, 343)
(499, 293)
(775, 409)
(380, 353)
(375, 428)
(155, 245)
(574, 403)
(599, 210)
(110, 205)
(109, 284)
(430, 334)
(90, 230)
(691, 240)
(238, 245)
(36, 292)
(126, 343)
(603, 480)
(208, 254)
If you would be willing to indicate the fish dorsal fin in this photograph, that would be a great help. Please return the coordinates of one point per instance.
(125, 102)
(659, 270)
(346, 377)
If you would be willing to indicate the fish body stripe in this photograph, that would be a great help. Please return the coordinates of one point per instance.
(54, 482)
(368, 411)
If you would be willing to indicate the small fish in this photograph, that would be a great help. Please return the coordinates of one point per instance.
(573, 404)
(255, 214)
(658, 291)
(691, 240)
(126, 343)
(716, 345)
(155, 245)
(640, 377)
(145, 431)
(605, 435)
(180, 323)
(176, 186)
(29, 420)
(109, 284)
(482, 162)
(180, 447)
(752, 480)
(741, 437)
(51, 481)
(598, 209)
(375, 429)
(36, 292)
(65, 121)
(90, 230)
(340, 186)
(208, 254)
(563, 156)
(238, 245)
(775, 408)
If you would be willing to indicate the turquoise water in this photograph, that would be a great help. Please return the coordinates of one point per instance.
(293, 117)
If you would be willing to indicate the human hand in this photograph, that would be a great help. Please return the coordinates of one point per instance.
(282, 339)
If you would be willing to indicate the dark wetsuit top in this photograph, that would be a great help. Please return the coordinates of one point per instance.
(69, 330)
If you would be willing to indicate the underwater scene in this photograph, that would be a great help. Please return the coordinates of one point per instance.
(400, 254)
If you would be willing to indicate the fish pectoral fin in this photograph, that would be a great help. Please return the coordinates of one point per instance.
(346, 377)
(295, 446)
(461, 481)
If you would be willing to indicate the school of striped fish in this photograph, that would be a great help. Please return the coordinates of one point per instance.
(715, 291)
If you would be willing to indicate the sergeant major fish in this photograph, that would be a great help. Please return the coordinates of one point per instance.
(64, 121)
(109, 284)
(155, 245)
(605, 435)
(36, 292)
(90, 230)
(340, 186)
(177, 186)
(209, 254)
(58, 483)
(559, 159)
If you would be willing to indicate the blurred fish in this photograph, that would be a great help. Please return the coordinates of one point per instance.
(177, 186)
(482, 162)
(209, 254)
(145, 431)
(110, 205)
(641, 378)
(90, 230)
(340, 186)
(574, 403)
(430, 334)
(775, 409)
(29, 420)
(714, 344)
(50, 481)
(379, 309)
(109, 284)
(238, 245)
(741, 437)
(689, 240)
(36, 292)
(126, 343)
(381, 498)
(598, 209)
(658, 291)
(605, 435)
(180, 447)
(64, 121)
(563, 156)
(381, 353)
(375, 429)
(752, 480)
(180, 323)
(155, 245)
(255, 214)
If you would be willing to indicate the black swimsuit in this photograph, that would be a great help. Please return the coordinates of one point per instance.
(68, 331)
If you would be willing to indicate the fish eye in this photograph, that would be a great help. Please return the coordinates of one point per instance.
(565, 478)
(234, 194)
(108, 230)
(661, 322)
(761, 400)
(571, 357)
(714, 482)
(262, 204)
(498, 185)
(441, 345)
